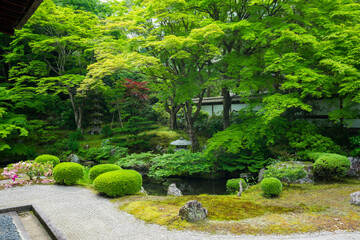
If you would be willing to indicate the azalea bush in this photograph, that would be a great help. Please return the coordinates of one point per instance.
(33, 172)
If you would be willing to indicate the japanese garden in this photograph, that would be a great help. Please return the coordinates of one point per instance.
(205, 118)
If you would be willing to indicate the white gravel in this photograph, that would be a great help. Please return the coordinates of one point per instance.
(83, 215)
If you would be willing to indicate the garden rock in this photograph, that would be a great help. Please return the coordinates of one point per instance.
(247, 175)
(193, 211)
(143, 191)
(173, 191)
(354, 170)
(355, 198)
(88, 163)
(261, 174)
(73, 158)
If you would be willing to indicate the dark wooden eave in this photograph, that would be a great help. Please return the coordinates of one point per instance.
(14, 14)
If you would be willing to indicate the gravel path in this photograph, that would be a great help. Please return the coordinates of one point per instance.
(83, 215)
(8, 230)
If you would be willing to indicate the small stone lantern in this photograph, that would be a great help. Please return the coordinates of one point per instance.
(181, 144)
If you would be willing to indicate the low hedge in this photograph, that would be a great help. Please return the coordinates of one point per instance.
(68, 173)
(102, 168)
(232, 185)
(48, 158)
(271, 187)
(118, 183)
(331, 166)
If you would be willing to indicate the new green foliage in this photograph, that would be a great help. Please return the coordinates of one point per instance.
(181, 163)
(137, 159)
(10, 124)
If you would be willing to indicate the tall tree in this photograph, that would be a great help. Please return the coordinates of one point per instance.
(313, 54)
(172, 49)
(60, 40)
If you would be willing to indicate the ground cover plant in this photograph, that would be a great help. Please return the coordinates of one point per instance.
(300, 208)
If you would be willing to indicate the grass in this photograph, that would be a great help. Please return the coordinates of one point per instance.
(93, 141)
(300, 208)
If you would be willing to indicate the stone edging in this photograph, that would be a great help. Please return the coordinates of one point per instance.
(49, 227)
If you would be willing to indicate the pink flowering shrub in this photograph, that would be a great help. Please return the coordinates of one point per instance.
(33, 170)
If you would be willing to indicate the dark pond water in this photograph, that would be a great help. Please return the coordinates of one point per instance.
(188, 186)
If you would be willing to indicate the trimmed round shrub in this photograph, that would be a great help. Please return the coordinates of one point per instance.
(271, 187)
(232, 185)
(118, 183)
(48, 158)
(331, 166)
(68, 173)
(102, 168)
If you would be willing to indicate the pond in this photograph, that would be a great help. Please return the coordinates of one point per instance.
(188, 186)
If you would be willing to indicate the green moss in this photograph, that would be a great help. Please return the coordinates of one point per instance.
(1, 176)
(300, 208)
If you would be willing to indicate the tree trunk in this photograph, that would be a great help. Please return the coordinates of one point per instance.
(341, 107)
(173, 120)
(173, 109)
(118, 110)
(195, 145)
(190, 121)
(226, 107)
(77, 110)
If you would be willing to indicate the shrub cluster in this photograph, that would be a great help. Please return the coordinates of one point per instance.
(285, 173)
(331, 166)
(313, 156)
(68, 173)
(118, 183)
(232, 185)
(102, 168)
(47, 158)
(271, 187)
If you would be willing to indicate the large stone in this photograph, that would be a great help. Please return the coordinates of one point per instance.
(73, 158)
(193, 211)
(261, 174)
(354, 170)
(143, 191)
(355, 198)
(173, 191)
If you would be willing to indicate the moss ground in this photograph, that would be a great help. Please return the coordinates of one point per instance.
(1, 176)
(300, 208)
